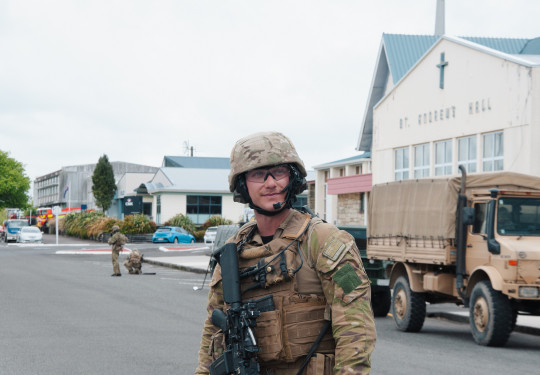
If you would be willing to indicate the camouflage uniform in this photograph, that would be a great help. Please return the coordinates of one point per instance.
(320, 276)
(133, 262)
(118, 240)
(345, 292)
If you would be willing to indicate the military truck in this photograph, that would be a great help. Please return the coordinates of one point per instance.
(471, 240)
(376, 271)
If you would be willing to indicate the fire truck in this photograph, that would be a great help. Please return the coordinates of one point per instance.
(45, 213)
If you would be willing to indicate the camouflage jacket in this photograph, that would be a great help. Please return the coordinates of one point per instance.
(336, 259)
(118, 240)
(134, 257)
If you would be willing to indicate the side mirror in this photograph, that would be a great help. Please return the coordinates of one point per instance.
(467, 216)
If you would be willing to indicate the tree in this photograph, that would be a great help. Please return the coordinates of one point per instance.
(14, 184)
(103, 186)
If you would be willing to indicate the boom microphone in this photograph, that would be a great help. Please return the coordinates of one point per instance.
(278, 205)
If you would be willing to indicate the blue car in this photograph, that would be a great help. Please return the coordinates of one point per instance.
(172, 234)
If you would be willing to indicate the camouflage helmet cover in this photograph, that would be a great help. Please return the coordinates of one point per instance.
(115, 228)
(260, 150)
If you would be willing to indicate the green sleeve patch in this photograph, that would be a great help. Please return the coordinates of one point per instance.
(347, 278)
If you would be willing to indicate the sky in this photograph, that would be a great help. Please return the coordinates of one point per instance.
(137, 80)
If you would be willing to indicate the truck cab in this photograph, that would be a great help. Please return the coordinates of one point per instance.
(507, 226)
(12, 227)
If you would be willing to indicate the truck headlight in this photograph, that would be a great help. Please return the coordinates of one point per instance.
(528, 291)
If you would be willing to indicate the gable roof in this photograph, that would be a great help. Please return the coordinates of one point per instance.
(193, 180)
(399, 53)
(196, 162)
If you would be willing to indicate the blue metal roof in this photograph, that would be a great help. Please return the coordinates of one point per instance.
(511, 46)
(196, 162)
(404, 51)
(532, 47)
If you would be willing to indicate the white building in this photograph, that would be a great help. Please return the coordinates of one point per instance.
(440, 101)
(198, 193)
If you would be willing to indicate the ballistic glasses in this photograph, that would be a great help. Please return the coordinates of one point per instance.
(279, 172)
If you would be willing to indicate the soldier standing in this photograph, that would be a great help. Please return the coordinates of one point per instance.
(133, 262)
(117, 240)
(312, 269)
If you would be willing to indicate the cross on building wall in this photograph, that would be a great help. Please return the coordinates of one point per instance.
(441, 66)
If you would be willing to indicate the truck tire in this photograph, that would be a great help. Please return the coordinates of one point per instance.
(381, 300)
(490, 315)
(408, 307)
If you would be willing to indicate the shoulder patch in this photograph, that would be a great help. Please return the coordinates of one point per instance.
(334, 249)
(347, 278)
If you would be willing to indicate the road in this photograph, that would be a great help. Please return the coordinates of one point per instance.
(64, 314)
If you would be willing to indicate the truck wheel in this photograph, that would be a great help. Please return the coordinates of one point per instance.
(408, 307)
(514, 319)
(381, 300)
(490, 315)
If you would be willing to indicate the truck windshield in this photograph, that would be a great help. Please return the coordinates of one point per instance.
(17, 224)
(518, 217)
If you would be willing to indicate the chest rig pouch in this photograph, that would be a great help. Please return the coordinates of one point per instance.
(288, 332)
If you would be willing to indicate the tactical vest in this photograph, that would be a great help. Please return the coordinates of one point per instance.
(286, 334)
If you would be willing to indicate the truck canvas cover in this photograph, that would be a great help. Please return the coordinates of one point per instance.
(427, 207)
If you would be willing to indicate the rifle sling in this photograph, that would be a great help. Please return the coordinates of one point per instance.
(325, 327)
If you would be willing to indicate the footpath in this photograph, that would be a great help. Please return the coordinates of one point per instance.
(199, 264)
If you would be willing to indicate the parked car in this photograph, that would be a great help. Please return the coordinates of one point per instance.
(172, 234)
(210, 235)
(29, 234)
(12, 227)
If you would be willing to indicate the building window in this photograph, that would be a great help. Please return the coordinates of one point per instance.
(493, 153)
(467, 153)
(341, 172)
(201, 207)
(421, 161)
(401, 164)
(358, 170)
(443, 158)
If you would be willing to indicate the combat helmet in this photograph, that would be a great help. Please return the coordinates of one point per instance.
(262, 150)
(115, 228)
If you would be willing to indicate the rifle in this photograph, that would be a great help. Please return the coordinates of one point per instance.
(240, 355)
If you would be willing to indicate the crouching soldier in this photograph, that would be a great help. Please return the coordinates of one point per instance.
(133, 262)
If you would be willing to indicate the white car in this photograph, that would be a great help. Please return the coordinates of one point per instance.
(210, 235)
(29, 234)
